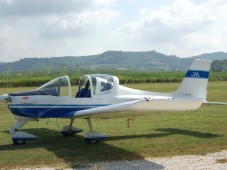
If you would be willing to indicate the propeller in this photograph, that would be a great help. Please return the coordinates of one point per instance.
(5, 98)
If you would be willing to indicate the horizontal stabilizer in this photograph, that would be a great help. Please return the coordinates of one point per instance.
(215, 103)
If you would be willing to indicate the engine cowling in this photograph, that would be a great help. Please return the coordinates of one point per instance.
(5, 98)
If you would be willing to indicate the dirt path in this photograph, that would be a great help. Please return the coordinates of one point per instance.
(212, 161)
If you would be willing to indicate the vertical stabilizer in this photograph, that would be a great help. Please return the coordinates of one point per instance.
(194, 84)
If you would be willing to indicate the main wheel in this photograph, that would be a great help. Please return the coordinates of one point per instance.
(19, 142)
(68, 134)
(92, 141)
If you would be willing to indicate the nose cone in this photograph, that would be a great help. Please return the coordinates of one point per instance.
(4, 98)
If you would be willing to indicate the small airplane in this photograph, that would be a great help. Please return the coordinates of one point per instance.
(100, 94)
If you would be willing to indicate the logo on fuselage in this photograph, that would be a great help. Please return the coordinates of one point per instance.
(195, 74)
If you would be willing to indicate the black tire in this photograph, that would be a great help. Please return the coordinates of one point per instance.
(19, 142)
(68, 134)
(92, 141)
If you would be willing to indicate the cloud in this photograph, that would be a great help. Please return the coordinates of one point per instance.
(14, 42)
(106, 3)
(36, 28)
(81, 24)
(24, 8)
(5, 30)
(41, 7)
(170, 22)
(58, 18)
(181, 23)
(39, 28)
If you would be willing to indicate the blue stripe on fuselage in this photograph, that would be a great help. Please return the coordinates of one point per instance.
(197, 74)
(47, 111)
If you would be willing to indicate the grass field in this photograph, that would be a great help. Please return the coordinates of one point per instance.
(151, 135)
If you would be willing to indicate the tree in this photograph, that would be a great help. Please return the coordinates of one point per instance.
(48, 68)
(8, 71)
(63, 69)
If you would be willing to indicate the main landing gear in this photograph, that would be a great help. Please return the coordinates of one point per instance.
(20, 138)
(70, 130)
(92, 137)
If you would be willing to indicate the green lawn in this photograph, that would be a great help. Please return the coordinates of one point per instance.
(150, 135)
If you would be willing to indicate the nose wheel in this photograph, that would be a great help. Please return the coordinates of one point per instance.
(18, 137)
(91, 141)
(19, 142)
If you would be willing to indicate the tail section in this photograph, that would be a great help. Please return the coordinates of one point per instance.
(194, 84)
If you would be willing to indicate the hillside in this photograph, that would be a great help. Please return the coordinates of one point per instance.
(150, 60)
(211, 56)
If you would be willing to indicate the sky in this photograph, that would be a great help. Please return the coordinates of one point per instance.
(52, 28)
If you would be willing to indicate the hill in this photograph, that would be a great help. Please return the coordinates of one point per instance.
(212, 56)
(149, 60)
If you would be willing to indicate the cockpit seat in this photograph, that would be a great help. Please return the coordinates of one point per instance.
(83, 93)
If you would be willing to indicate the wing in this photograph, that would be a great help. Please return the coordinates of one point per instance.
(126, 106)
(214, 103)
(146, 104)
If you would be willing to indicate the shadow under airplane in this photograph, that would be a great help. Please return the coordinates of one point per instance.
(187, 132)
(75, 152)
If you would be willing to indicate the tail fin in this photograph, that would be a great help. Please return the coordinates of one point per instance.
(194, 84)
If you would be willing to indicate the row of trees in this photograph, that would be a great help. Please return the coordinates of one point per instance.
(34, 77)
(219, 66)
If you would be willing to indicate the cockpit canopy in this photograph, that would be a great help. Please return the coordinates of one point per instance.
(93, 85)
(58, 87)
(96, 84)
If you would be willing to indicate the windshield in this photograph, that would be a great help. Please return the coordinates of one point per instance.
(57, 87)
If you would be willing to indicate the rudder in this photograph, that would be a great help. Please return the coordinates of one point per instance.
(194, 84)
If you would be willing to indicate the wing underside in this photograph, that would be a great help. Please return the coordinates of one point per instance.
(215, 103)
(143, 105)
(120, 107)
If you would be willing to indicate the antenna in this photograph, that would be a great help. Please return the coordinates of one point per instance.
(47, 122)
(126, 82)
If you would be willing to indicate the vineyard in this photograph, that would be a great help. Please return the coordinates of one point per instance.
(36, 78)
